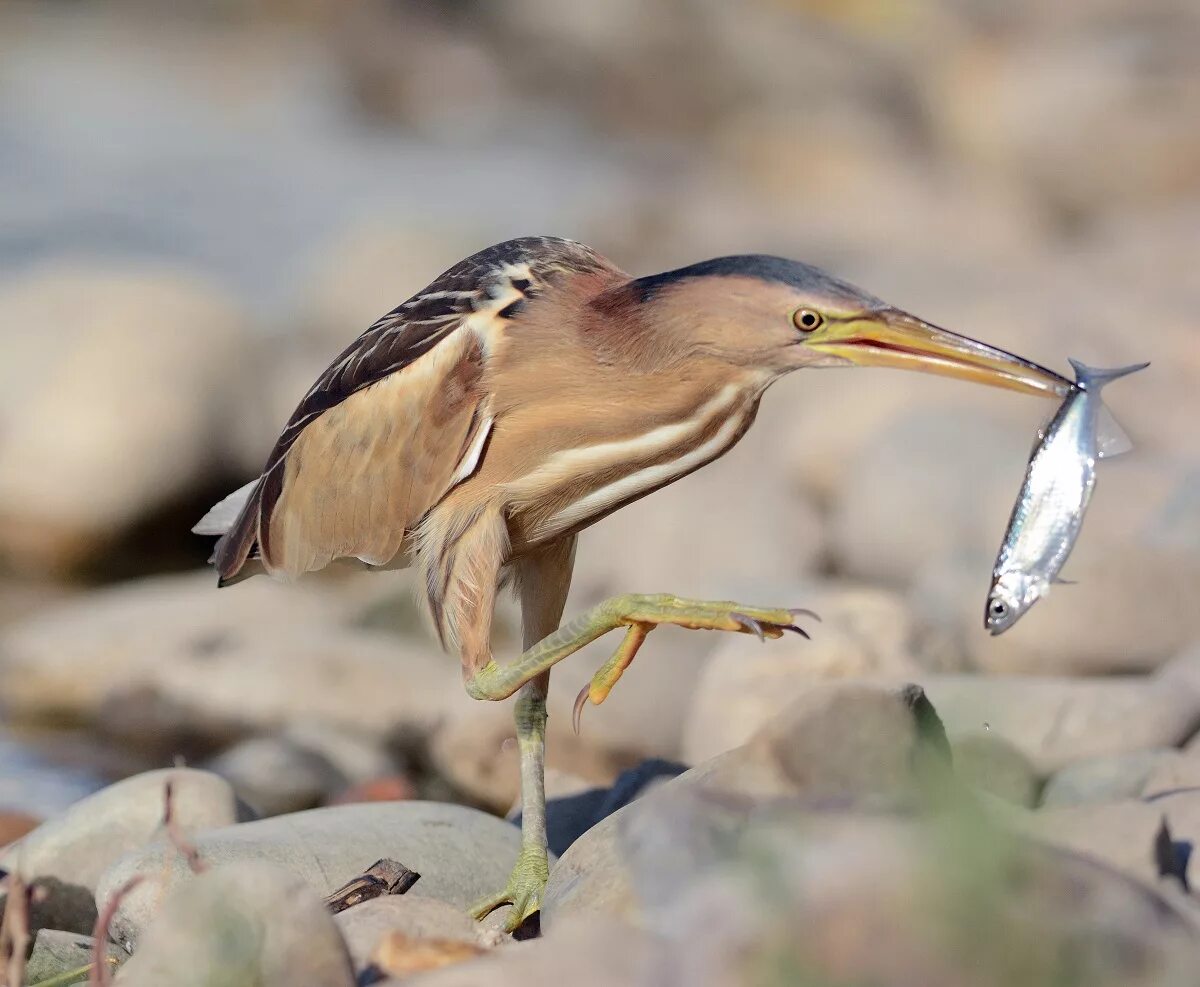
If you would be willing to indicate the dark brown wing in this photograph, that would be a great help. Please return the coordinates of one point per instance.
(408, 405)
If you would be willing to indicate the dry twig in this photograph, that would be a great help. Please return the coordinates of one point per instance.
(175, 834)
(383, 877)
(100, 975)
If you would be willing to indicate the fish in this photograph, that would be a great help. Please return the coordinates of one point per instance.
(1059, 479)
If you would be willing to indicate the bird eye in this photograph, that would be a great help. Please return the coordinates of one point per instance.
(998, 609)
(806, 320)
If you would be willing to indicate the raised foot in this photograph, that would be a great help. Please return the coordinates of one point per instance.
(524, 892)
(641, 614)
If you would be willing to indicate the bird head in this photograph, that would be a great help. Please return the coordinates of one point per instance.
(781, 315)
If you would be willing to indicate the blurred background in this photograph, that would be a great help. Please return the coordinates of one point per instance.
(201, 203)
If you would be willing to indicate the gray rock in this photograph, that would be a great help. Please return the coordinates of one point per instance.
(56, 953)
(250, 924)
(1056, 721)
(863, 633)
(364, 925)
(997, 766)
(1105, 779)
(68, 854)
(460, 853)
(1121, 834)
(273, 775)
(841, 745)
(156, 659)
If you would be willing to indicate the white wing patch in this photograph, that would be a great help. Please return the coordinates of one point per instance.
(221, 516)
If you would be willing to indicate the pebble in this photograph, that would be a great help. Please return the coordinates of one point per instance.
(61, 500)
(842, 744)
(863, 632)
(255, 923)
(56, 953)
(1106, 779)
(273, 775)
(460, 853)
(365, 925)
(1057, 721)
(997, 766)
(170, 657)
(69, 853)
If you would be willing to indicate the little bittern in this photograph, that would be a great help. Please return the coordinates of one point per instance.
(529, 391)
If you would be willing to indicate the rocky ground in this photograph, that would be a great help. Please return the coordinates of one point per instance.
(196, 214)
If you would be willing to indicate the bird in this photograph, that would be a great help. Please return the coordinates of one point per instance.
(529, 391)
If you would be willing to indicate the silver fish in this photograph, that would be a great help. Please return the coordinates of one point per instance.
(1058, 484)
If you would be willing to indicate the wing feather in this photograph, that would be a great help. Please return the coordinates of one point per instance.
(394, 422)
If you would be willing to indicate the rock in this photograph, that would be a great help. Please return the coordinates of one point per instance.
(863, 633)
(401, 955)
(1056, 721)
(922, 459)
(365, 925)
(1105, 779)
(274, 776)
(1180, 770)
(71, 851)
(598, 952)
(170, 659)
(56, 953)
(476, 751)
(460, 853)
(573, 807)
(877, 900)
(840, 745)
(61, 500)
(1121, 834)
(254, 923)
(997, 766)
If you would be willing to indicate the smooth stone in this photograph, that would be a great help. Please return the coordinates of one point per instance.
(944, 900)
(68, 854)
(89, 459)
(366, 924)
(1057, 721)
(168, 657)
(56, 953)
(255, 923)
(997, 766)
(273, 775)
(460, 853)
(842, 745)
(475, 750)
(1106, 779)
(1172, 774)
(596, 952)
(863, 632)
(572, 812)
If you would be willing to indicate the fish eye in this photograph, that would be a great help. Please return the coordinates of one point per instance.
(998, 609)
(806, 320)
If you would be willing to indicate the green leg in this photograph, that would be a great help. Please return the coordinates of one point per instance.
(528, 878)
(640, 613)
(530, 674)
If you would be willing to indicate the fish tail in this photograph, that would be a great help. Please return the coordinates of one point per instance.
(1094, 378)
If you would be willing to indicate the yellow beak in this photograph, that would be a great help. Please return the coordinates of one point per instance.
(892, 338)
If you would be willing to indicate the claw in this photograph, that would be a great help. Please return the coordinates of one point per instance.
(577, 712)
(798, 630)
(752, 625)
(801, 612)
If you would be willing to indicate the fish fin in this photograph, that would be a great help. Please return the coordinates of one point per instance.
(1095, 378)
(1111, 439)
